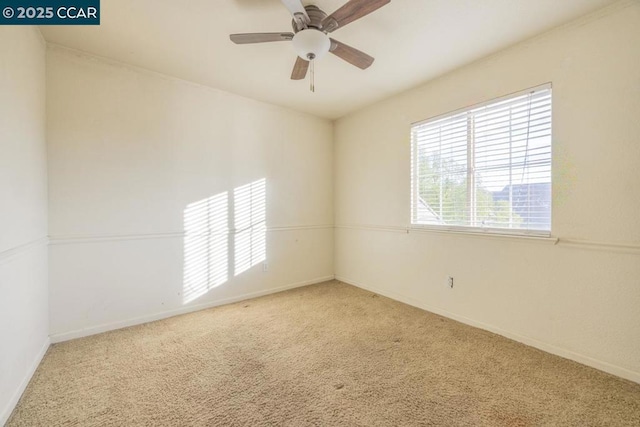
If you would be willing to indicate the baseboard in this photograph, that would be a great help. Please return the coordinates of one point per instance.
(6, 412)
(56, 338)
(549, 348)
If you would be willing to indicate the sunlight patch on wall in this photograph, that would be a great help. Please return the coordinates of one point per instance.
(212, 249)
(250, 225)
(206, 246)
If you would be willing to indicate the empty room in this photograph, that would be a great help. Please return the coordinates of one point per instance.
(320, 213)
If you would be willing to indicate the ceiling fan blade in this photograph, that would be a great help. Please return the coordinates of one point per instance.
(298, 12)
(300, 69)
(351, 55)
(352, 10)
(248, 38)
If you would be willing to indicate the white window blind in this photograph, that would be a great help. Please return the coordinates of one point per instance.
(487, 167)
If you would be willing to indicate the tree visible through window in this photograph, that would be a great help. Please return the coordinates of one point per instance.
(486, 167)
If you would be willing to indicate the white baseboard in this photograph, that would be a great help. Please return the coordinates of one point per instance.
(65, 336)
(6, 412)
(549, 348)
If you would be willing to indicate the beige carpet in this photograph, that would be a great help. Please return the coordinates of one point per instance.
(327, 354)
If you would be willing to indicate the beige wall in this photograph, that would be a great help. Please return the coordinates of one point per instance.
(129, 150)
(579, 298)
(23, 211)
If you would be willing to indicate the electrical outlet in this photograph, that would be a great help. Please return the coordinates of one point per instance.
(450, 281)
(265, 267)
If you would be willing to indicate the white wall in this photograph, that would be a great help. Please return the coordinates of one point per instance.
(129, 150)
(24, 322)
(579, 298)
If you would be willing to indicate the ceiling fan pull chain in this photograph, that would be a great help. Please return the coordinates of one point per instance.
(312, 76)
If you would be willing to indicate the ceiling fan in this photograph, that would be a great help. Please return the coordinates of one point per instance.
(310, 38)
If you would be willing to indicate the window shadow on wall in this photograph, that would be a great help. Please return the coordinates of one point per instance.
(213, 251)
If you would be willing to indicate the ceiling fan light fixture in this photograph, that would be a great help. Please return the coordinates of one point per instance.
(311, 44)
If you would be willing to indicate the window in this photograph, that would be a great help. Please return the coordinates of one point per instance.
(487, 168)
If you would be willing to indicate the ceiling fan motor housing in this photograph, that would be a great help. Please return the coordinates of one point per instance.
(312, 42)
(316, 16)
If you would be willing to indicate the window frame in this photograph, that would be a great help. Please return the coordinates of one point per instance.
(463, 229)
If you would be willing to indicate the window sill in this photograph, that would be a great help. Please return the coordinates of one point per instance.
(486, 233)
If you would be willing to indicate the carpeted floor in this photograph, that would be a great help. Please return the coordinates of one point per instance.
(328, 354)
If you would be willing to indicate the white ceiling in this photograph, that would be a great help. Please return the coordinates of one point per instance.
(412, 40)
